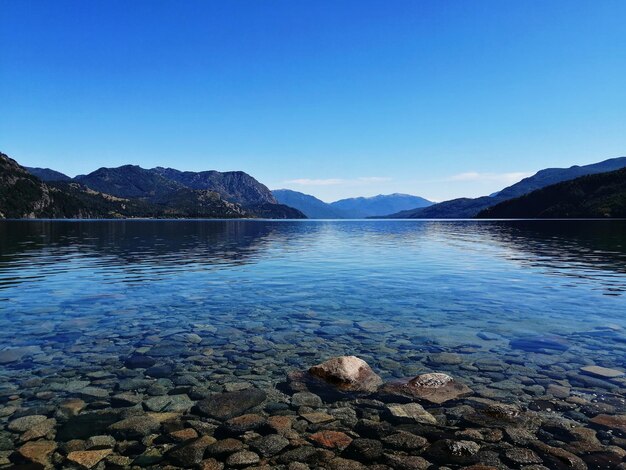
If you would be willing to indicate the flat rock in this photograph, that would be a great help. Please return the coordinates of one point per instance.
(15, 354)
(611, 421)
(88, 458)
(169, 403)
(38, 451)
(243, 458)
(230, 404)
(445, 359)
(410, 413)
(269, 445)
(26, 422)
(39, 430)
(191, 453)
(347, 373)
(135, 427)
(331, 439)
(602, 372)
(541, 343)
(432, 387)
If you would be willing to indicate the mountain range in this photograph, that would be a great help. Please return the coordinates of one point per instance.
(595, 190)
(600, 195)
(132, 191)
(351, 208)
(464, 208)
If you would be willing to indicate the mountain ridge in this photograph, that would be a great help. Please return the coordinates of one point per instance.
(598, 195)
(462, 208)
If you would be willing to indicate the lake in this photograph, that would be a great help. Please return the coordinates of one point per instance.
(91, 310)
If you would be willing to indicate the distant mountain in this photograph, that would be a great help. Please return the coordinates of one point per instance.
(310, 206)
(468, 208)
(124, 192)
(46, 174)
(166, 186)
(234, 186)
(381, 205)
(594, 196)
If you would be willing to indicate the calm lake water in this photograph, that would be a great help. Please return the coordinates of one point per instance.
(233, 301)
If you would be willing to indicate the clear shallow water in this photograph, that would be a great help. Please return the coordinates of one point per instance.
(231, 301)
(280, 281)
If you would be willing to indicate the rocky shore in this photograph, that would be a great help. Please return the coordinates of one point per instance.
(143, 411)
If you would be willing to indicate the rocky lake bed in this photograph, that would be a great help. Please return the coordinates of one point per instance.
(204, 345)
(179, 401)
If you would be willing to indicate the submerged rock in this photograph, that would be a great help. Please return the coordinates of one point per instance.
(230, 404)
(348, 373)
(540, 344)
(410, 413)
(603, 372)
(432, 387)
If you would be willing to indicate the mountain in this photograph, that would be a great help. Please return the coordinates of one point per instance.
(594, 196)
(467, 208)
(309, 205)
(46, 174)
(169, 187)
(234, 186)
(138, 193)
(381, 205)
(23, 195)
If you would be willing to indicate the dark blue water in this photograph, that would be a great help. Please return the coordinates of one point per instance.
(84, 292)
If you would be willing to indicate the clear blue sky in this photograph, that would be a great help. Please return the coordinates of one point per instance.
(333, 98)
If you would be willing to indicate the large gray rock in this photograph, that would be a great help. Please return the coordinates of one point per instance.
(348, 373)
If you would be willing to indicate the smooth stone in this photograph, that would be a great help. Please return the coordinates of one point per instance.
(602, 372)
(331, 439)
(183, 435)
(611, 421)
(405, 441)
(100, 442)
(242, 458)
(135, 427)
(348, 373)
(225, 446)
(445, 359)
(210, 464)
(306, 399)
(269, 445)
(169, 403)
(522, 456)
(365, 450)
(432, 387)
(410, 413)
(244, 423)
(88, 458)
(230, 404)
(192, 453)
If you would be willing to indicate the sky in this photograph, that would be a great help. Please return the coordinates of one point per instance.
(337, 99)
